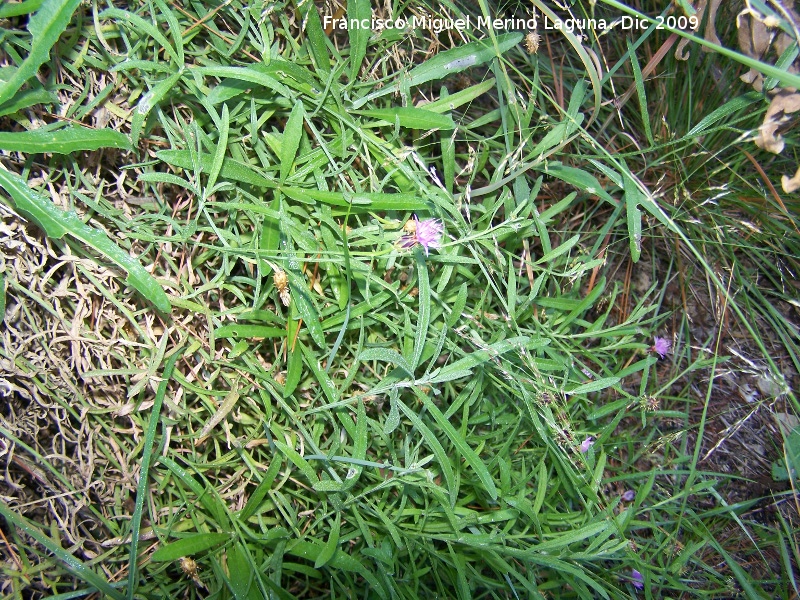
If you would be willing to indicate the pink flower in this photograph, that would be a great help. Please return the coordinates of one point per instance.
(586, 444)
(428, 233)
(661, 346)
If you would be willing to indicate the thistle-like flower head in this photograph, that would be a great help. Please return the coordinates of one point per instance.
(661, 346)
(428, 233)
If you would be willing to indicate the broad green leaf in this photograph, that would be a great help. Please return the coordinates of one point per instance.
(410, 117)
(290, 142)
(360, 10)
(63, 141)
(56, 223)
(46, 26)
(190, 545)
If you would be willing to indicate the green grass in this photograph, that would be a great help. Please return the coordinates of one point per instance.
(410, 424)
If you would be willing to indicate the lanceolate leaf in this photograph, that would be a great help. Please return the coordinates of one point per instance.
(56, 223)
(62, 141)
(46, 26)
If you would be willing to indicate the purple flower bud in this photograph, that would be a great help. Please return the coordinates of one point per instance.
(661, 346)
(637, 579)
(586, 444)
(628, 496)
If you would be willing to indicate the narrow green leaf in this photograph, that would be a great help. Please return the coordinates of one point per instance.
(290, 142)
(62, 141)
(56, 223)
(191, 545)
(327, 552)
(248, 331)
(449, 62)
(465, 96)
(148, 101)
(222, 148)
(361, 11)
(72, 564)
(464, 450)
(317, 40)
(424, 312)
(359, 201)
(556, 252)
(21, 8)
(594, 386)
(46, 26)
(632, 199)
(241, 572)
(639, 82)
(386, 355)
(410, 117)
(144, 469)
(249, 74)
(436, 448)
(262, 489)
(231, 169)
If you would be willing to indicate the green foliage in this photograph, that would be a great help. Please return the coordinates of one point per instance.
(322, 407)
